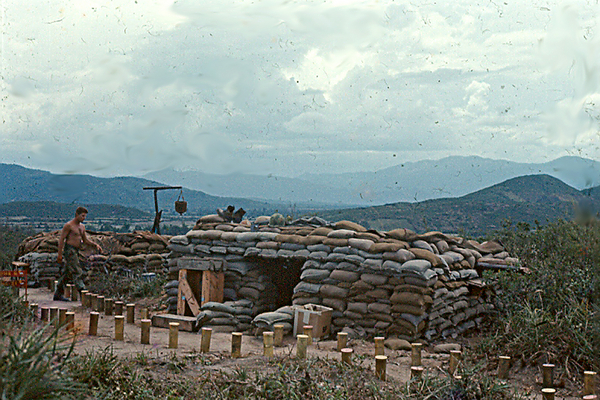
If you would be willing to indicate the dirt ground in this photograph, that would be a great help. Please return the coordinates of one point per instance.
(398, 364)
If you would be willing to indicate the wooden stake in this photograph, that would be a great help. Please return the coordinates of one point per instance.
(54, 285)
(70, 320)
(455, 358)
(548, 393)
(268, 344)
(145, 338)
(173, 335)
(118, 308)
(73, 293)
(379, 349)
(130, 313)
(301, 345)
(278, 335)
(100, 303)
(205, 340)
(67, 292)
(93, 328)
(45, 314)
(34, 309)
(589, 382)
(380, 367)
(236, 345)
(347, 355)
(119, 327)
(308, 331)
(590, 397)
(415, 355)
(503, 367)
(84, 298)
(548, 375)
(62, 316)
(342, 340)
(144, 313)
(416, 371)
(93, 301)
(108, 306)
(54, 315)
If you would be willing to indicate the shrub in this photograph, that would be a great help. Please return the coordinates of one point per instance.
(553, 314)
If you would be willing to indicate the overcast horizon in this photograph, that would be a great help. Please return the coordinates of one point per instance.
(124, 87)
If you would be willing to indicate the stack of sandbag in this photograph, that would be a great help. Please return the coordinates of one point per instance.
(138, 251)
(392, 283)
(266, 321)
(42, 266)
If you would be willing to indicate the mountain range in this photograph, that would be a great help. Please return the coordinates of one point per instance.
(408, 182)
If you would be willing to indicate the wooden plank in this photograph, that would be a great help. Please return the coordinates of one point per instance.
(190, 299)
(180, 301)
(185, 323)
(212, 286)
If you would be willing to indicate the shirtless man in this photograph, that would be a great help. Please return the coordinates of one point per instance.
(72, 239)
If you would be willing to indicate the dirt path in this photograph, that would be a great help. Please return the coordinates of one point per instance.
(398, 367)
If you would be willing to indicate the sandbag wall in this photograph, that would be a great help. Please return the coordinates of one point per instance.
(136, 252)
(248, 288)
(395, 283)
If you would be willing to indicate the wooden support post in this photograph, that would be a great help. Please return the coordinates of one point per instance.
(118, 308)
(54, 315)
(108, 306)
(379, 343)
(205, 340)
(100, 304)
(67, 292)
(416, 371)
(548, 393)
(415, 355)
(93, 328)
(342, 340)
(589, 382)
(503, 367)
(130, 313)
(548, 375)
(173, 335)
(70, 320)
(73, 293)
(278, 335)
(301, 345)
(145, 337)
(455, 358)
(380, 367)
(308, 331)
(144, 314)
(45, 314)
(236, 345)
(34, 310)
(93, 301)
(268, 344)
(83, 295)
(347, 355)
(62, 316)
(119, 327)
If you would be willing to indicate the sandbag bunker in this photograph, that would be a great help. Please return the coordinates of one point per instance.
(396, 283)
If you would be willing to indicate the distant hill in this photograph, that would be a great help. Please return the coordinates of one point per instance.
(523, 199)
(44, 210)
(410, 181)
(23, 184)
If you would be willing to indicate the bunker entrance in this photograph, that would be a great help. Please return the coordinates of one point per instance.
(285, 275)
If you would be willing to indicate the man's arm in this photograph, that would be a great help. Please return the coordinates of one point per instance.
(61, 242)
(87, 241)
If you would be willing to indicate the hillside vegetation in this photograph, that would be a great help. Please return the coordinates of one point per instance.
(526, 199)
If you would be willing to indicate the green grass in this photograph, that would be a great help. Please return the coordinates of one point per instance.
(553, 314)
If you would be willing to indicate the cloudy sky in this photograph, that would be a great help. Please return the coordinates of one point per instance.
(124, 87)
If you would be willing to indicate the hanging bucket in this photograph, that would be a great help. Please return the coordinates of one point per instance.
(180, 205)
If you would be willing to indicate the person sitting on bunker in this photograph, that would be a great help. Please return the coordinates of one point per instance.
(72, 239)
